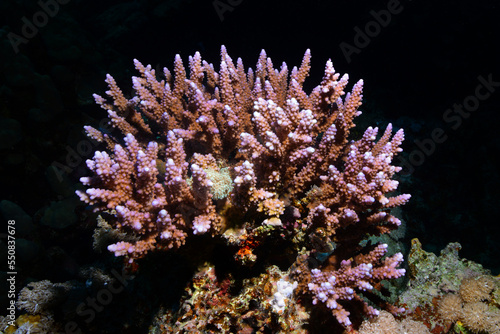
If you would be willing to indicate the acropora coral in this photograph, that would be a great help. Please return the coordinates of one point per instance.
(249, 158)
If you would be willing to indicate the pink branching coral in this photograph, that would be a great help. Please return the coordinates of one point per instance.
(342, 284)
(249, 150)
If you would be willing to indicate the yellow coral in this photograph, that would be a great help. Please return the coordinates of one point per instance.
(24, 319)
(450, 307)
(477, 289)
(473, 309)
(475, 316)
(222, 184)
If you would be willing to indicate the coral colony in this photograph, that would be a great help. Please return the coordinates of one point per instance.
(248, 157)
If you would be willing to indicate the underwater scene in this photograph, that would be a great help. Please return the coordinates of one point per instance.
(249, 166)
